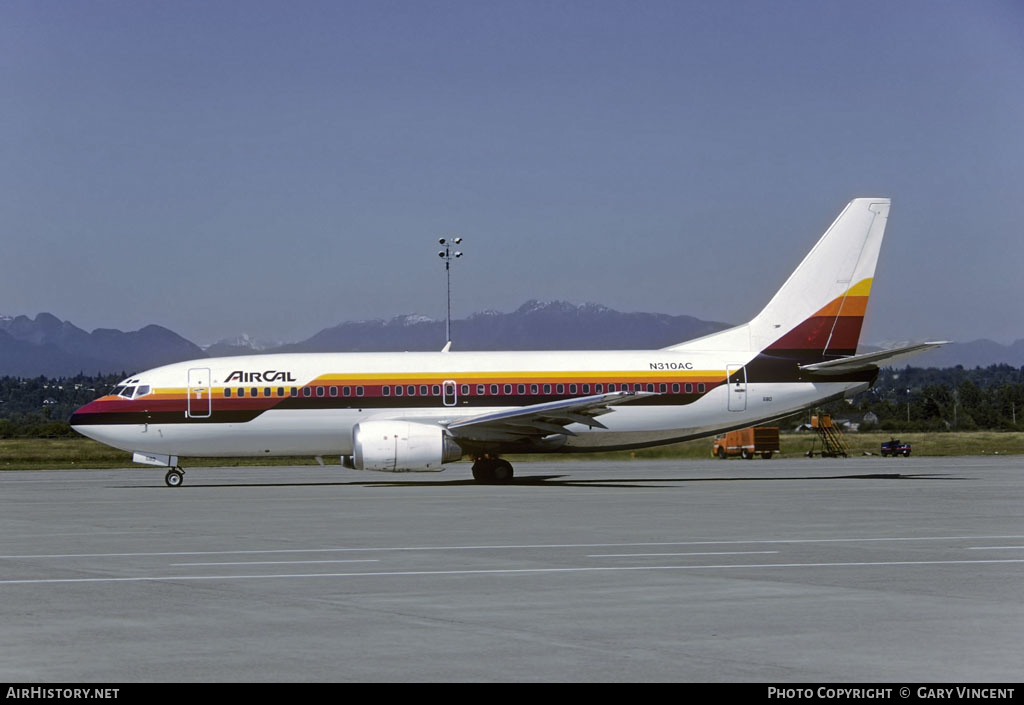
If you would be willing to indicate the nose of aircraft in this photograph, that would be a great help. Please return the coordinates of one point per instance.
(96, 422)
(85, 415)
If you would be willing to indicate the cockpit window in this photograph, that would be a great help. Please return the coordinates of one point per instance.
(128, 391)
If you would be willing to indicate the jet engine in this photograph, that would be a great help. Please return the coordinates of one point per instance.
(401, 446)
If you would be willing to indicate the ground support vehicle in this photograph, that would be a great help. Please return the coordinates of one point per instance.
(747, 442)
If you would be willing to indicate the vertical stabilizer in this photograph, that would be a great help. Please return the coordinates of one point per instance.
(819, 311)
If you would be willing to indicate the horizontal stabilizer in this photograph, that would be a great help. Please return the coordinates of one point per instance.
(868, 361)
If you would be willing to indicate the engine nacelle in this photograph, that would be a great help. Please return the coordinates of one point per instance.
(402, 446)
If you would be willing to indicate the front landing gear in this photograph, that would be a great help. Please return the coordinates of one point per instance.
(174, 477)
(492, 471)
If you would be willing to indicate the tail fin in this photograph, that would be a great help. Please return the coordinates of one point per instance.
(819, 311)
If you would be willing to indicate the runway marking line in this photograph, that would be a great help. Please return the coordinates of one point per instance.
(503, 547)
(349, 560)
(702, 553)
(504, 571)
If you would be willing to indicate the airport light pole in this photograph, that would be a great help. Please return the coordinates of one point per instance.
(448, 254)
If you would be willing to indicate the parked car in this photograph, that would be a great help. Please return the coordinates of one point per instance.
(894, 447)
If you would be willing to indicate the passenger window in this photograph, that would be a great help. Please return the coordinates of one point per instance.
(294, 392)
(307, 392)
(346, 391)
(585, 389)
(333, 391)
(689, 388)
(280, 391)
(534, 389)
(227, 392)
(521, 389)
(359, 391)
(663, 388)
(399, 390)
(266, 391)
(572, 389)
(319, 391)
(559, 389)
(436, 390)
(254, 392)
(465, 390)
(494, 390)
(508, 389)
(385, 390)
(241, 392)
(480, 390)
(411, 390)
(547, 389)
(701, 388)
(598, 389)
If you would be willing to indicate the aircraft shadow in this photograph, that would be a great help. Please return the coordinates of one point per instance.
(564, 481)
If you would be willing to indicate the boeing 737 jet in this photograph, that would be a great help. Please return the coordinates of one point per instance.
(416, 411)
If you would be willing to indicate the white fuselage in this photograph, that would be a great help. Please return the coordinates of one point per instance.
(308, 404)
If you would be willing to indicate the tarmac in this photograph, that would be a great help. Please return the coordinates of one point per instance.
(782, 571)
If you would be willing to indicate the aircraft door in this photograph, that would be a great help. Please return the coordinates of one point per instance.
(450, 392)
(199, 404)
(736, 380)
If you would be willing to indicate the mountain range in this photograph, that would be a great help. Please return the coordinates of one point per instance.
(51, 347)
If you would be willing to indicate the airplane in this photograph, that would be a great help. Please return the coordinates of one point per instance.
(417, 411)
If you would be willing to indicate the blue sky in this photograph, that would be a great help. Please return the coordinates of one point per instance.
(279, 167)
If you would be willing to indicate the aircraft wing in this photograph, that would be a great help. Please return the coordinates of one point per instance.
(868, 361)
(539, 420)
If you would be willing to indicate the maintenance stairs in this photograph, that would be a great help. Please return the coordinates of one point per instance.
(833, 444)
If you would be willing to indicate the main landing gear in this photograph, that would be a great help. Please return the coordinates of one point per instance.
(174, 477)
(492, 471)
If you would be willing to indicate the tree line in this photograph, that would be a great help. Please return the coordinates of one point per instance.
(948, 399)
(907, 399)
(39, 407)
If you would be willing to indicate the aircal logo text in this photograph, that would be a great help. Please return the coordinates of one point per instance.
(266, 376)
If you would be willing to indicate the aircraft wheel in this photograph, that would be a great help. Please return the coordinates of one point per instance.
(174, 477)
(503, 471)
(492, 471)
(483, 470)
